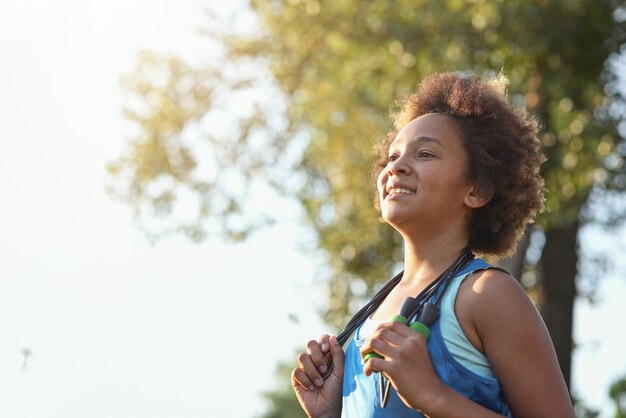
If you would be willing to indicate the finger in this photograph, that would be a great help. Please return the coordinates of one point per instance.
(379, 346)
(366, 348)
(299, 378)
(317, 356)
(374, 365)
(381, 333)
(325, 343)
(395, 327)
(326, 352)
(394, 333)
(337, 354)
(306, 364)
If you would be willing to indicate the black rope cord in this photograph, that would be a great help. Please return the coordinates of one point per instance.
(441, 282)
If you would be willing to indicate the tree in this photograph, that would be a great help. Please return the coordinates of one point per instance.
(617, 392)
(332, 68)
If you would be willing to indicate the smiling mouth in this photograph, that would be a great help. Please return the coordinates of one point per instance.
(399, 191)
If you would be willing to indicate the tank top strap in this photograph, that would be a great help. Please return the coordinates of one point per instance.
(475, 265)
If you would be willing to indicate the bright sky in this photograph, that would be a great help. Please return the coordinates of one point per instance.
(120, 328)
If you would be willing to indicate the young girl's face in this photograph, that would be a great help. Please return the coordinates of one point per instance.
(425, 183)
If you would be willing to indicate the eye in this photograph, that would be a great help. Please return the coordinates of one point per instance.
(425, 154)
(392, 157)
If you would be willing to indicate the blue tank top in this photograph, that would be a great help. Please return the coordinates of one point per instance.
(361, 394)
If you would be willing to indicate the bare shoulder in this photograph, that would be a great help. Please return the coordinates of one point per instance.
(493, 281)
(510, 332)
(490, 292)
(492, 302)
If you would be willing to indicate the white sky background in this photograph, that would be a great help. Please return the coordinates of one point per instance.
(122, 329)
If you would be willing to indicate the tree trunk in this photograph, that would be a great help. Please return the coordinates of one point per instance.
(558, 268)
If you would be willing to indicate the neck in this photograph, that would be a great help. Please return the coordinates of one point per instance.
(424, 260)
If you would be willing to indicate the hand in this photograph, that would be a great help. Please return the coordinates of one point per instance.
(317, 397)
(405, 362)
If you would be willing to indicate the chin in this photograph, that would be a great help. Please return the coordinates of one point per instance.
(394, 218)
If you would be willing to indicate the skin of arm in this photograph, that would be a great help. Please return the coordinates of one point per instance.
(498, 319)
(319, 398)
(515, 340)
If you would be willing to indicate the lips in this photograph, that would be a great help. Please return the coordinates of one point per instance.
(395, 191)
(399, 189)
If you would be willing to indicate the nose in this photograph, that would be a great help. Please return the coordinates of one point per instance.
(398, 166)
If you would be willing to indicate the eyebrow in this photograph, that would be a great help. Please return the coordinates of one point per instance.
(429, 139)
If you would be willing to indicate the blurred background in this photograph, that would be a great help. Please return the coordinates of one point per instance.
(186, 197)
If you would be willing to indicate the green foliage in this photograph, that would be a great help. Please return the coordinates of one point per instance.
(298, 96)
(342, 63)
(335, 67)
(169, 97)
(617, 392)
(192, 166)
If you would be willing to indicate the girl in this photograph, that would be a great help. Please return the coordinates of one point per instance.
(459, 174)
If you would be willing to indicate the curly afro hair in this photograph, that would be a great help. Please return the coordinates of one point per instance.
(502, 148)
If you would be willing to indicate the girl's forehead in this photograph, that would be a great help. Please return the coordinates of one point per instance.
(434, 128)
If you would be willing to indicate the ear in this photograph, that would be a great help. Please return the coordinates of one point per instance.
(477, 197)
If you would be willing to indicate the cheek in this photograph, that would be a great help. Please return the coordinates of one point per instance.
(381, 183)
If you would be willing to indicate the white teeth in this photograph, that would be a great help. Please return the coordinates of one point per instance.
(401, 190)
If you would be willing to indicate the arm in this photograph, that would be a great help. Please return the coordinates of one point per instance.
(499, 319)
(319, 398)
(512, 335)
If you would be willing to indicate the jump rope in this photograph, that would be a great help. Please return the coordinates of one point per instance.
(418, 307)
